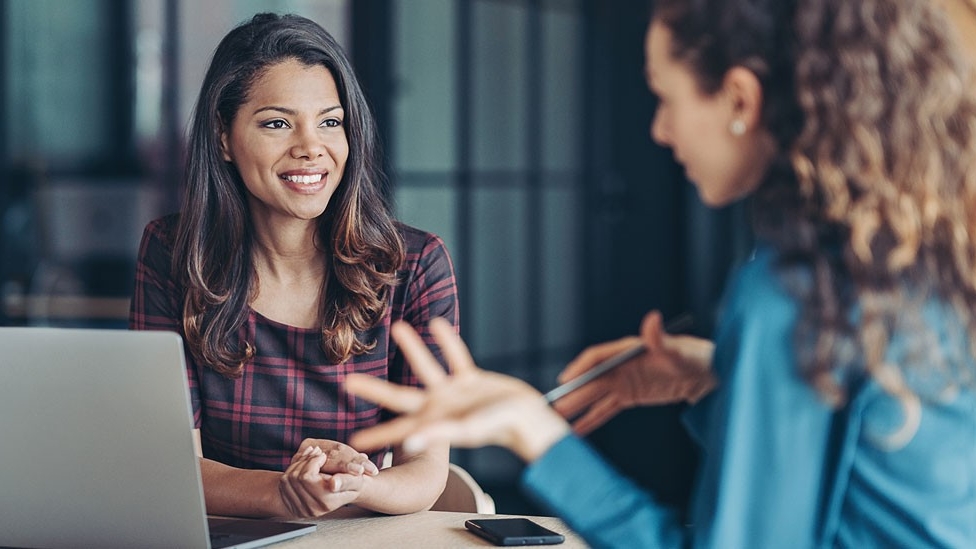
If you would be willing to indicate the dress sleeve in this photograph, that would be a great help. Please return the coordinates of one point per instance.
(431, 292)
(596, 501)
(764, 433)
(156, 303)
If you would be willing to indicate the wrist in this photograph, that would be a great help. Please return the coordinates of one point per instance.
(702, 386)
(541, 429)
(273, 500)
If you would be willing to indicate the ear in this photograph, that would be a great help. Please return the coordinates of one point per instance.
(224, 147)
(745, 94)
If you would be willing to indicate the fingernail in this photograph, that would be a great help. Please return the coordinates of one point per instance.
(356, 468)
(337, 485)
(307, 450)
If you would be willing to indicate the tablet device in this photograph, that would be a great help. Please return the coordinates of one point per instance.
(513, 531)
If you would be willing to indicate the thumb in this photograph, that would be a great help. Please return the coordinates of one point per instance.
(652, 330)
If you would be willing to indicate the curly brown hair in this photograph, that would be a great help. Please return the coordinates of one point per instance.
(214, 239)
(872, 201)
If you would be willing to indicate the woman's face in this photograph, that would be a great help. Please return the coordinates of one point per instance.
(698, 127)
(288, 142)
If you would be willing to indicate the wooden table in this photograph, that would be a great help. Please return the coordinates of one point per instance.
(353, 528)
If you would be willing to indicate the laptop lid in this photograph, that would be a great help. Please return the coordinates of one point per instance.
(96, 444)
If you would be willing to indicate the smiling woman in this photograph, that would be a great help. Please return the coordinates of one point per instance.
(283, 273)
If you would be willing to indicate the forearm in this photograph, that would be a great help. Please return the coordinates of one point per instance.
(408, 486)
(241, 492)
(573, 482)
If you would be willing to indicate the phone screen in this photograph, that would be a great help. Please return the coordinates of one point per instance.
(513, 531)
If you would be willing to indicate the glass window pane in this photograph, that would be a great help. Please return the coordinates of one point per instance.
(562, 90)
(431, 208)
(58, 78)
(561, 291)
(499, 85)
(499, 274)
(424, 135)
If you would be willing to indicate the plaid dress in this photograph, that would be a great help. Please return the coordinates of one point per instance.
(288, 390)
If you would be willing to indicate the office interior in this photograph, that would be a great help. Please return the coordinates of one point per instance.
(517, 130)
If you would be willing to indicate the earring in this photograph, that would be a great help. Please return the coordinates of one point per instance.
(737, 127)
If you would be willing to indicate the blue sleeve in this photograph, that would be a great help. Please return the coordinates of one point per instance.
(764, 430)
(764, 435)
(605, 508)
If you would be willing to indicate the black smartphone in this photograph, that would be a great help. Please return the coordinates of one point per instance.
(513, 531)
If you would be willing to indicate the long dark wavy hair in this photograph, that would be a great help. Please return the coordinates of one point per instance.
(213, 247)
(872, 199)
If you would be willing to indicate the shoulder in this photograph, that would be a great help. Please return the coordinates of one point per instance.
(757, 320)
(418, 241)
(427, 267)
(422, 249)
(161, 231)
(757, 290)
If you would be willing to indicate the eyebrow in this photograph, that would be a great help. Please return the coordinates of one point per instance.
(292, 112)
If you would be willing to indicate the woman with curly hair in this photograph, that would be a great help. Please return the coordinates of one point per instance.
(283, 273)
(837, 405)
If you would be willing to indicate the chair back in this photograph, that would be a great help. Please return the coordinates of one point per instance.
(463, 494)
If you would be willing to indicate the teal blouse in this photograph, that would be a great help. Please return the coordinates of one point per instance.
(779, 467)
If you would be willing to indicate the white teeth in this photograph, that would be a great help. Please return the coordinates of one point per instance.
(304, 179)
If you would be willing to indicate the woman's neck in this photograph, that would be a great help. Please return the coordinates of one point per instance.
(290, 272)
(288, 252)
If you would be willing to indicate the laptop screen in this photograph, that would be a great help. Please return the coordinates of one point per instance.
(97, 441)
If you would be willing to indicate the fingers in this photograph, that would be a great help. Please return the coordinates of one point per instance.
(369, 467)
(581, 399)
(451, 431)
(422, 362)
(339, 462)
(340, 458)
(295, 482)
(393, 397)
(652, 330)
(384, 434)
(307, 492)
(345, 483)
(455, 351)
(597, 415)
(591, 356)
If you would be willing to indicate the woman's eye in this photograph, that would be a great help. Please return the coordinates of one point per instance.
(332, 123)
(275, 124)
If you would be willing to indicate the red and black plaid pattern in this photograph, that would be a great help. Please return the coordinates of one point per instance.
(288, 391)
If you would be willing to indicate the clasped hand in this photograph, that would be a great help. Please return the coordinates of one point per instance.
(323, 476)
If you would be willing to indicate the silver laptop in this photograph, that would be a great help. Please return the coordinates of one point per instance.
(96, 445)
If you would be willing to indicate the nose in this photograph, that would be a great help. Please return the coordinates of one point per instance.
(308, 144)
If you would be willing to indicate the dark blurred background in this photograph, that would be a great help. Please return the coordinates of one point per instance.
(518, 130)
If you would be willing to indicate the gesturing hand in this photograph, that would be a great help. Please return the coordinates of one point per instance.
(470, 408)
(323, 476)
(674, 369)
